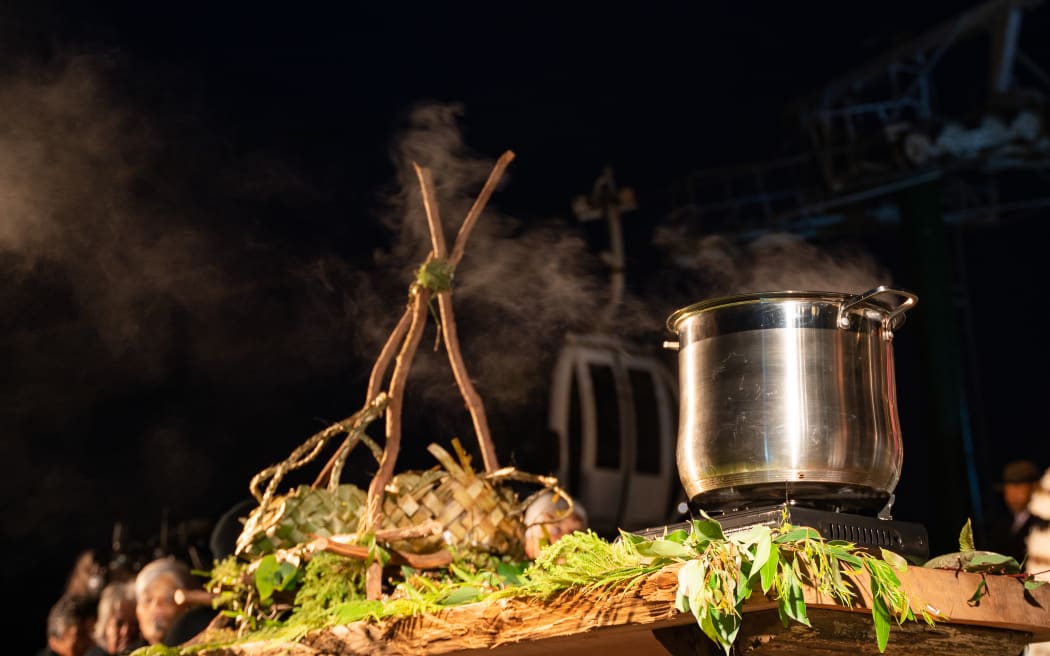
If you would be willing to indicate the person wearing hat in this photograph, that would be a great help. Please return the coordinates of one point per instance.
(1008, 531)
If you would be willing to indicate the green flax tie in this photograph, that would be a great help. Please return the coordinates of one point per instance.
(435, 275)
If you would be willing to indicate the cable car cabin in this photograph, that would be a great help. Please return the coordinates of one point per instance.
(614, 412)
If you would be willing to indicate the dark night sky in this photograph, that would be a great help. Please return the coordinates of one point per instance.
(202, 221)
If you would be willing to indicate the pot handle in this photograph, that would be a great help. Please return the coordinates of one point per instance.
(889, 318)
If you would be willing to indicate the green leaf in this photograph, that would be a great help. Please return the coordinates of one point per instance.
(1032, 584)
(840, 551)
(357, 609)
(272, 576)
(287, 576)
(707, 530)
(769, 570)
(751, 535)
(792, 601)
(661, 548)
(974, 561)
(991, 561)
(462, 574)
(966, 537)
(797, 533)
(263, 580)
(975, 598)
(677, 535)
(895, 560)
(763, 549)
(881, 616)
(466, 594)
(690, 581)
(376, 553)
(632, 538)
(510, 574)
(707, 625)
(726, 626)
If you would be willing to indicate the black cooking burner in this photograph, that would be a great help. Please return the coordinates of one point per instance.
(834, 497)
(869, 533)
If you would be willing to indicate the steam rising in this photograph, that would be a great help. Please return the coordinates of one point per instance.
(69, 158)
(143, 319)
(100, 200)
(517, 291)
(714, 265)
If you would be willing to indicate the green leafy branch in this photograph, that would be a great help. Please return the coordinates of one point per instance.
(717, 574)
(779, 562)
(970, 559)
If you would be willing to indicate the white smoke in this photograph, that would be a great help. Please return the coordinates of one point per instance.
(775, 261)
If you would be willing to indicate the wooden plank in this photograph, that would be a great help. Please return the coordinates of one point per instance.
(618, 624)
(1004, 604)
(834, 632)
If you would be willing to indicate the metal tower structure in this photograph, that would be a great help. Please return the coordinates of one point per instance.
(896, 122)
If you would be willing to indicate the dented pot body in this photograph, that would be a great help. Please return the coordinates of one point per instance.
(789, 396)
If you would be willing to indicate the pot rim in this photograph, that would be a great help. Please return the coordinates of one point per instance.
(752, 297)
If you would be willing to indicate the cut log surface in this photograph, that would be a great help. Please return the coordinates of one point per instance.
(644, 621)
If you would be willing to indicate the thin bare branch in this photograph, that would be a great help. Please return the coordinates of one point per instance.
(387, 354)
(393, 409)
(430, 204)
(475, 406)
(479, 204)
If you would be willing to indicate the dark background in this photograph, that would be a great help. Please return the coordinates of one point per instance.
(208, 223)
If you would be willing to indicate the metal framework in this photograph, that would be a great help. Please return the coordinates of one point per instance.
(880, 129)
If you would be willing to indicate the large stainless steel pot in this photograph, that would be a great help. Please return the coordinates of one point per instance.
(789, 396)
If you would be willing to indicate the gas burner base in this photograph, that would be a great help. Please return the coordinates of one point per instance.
(908, 539)
(833, 497)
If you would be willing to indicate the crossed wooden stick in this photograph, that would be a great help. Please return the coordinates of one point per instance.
(407, 334)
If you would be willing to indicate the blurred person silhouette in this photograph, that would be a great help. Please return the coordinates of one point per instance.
(1038, 562)
(166, 603)
(1010, 528)
(87, 576)
(1038, 544)
(116, 628)
(70, 626)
